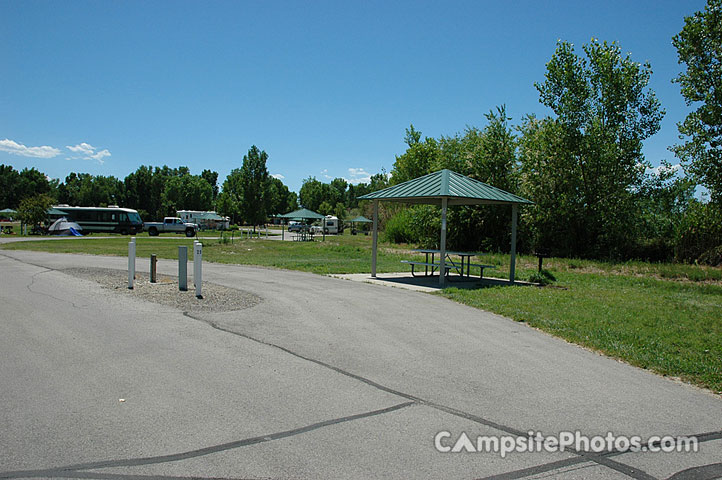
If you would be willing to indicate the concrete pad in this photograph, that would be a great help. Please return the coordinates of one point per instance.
(428, 284)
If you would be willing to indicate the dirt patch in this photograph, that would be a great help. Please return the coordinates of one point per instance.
(216, 298)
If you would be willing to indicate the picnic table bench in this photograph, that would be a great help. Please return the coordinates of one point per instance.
(449, 264)
(302, 236)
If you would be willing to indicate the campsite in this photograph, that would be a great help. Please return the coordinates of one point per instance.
(359, 240)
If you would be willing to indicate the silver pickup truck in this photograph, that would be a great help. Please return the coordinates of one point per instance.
(170, 224)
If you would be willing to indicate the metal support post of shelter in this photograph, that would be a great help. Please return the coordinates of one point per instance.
(375, 238)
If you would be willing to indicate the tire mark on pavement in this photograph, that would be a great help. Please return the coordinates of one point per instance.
(134, 462)
(581, 455)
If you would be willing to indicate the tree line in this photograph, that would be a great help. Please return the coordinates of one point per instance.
(594, 193)
(154, 191)
(248, 195)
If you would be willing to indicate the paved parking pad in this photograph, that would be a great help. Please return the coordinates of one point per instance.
(321, 378)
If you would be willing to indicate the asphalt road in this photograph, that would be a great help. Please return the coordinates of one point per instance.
(325, 378)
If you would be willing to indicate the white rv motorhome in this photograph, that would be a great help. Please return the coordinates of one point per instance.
(333, 225)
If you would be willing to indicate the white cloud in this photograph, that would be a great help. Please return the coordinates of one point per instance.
(662, 168)
(15, 148)
(86, 151)
(277, 176)
(358, 175)
(83, 149)
(101, 155)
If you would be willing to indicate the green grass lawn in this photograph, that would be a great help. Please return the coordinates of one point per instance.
(664, 317)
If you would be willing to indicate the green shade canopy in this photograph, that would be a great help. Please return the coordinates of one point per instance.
(456, 188)
(302, 214)
(8, 210)
(360, 219)
(446, 188)
(55, 211)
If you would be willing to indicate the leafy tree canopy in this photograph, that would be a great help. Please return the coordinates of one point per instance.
(699, 46)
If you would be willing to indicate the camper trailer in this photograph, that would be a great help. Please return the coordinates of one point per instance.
(333, 225)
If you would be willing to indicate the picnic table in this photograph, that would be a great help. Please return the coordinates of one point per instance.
(431, 266)
(303, 236)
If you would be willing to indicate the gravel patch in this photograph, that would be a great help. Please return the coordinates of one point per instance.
(216, 298)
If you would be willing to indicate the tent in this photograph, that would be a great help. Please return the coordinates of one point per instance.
(446, 188)
(62, 226)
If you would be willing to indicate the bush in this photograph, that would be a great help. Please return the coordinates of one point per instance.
(544, 277)
(420, 224)
(399, 228)
(699, 233)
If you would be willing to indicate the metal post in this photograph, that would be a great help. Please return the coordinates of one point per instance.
(323, 228)
(283, 232)
(198, 268)
(266, 231)
(512, 266)
(153, 268)
(183, 268)
(131, 263)
(375, 238)
(442, 253)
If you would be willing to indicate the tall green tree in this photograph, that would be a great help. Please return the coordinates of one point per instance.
(83, 189)
(9, 181)
(186, 192)
(281, 200)
(254, 185)
(33, 210)
(311, 194)
(228, 203)
(212, 178)
(419, 158)
(604, 111)
(699, 47)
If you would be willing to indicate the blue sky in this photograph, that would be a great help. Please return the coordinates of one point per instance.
(326, 88)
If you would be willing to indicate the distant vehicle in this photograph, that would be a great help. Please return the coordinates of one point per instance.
(333, 224)
(111, 219)
(296, 226)
(172, 225)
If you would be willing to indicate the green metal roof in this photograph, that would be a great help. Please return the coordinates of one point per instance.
(8, 210)
(55, 211)
(302, 214)
(458, 189)
(360, 219)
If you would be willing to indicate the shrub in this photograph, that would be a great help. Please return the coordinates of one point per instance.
(699, 233)
(399, 228)
(545, 277)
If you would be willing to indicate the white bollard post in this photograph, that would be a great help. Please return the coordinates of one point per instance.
(198, 268)
(195, 244)
(131, 263)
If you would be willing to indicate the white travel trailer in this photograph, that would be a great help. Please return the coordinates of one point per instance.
(333, 225)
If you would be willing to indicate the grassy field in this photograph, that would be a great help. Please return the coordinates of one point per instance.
(664, 317)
